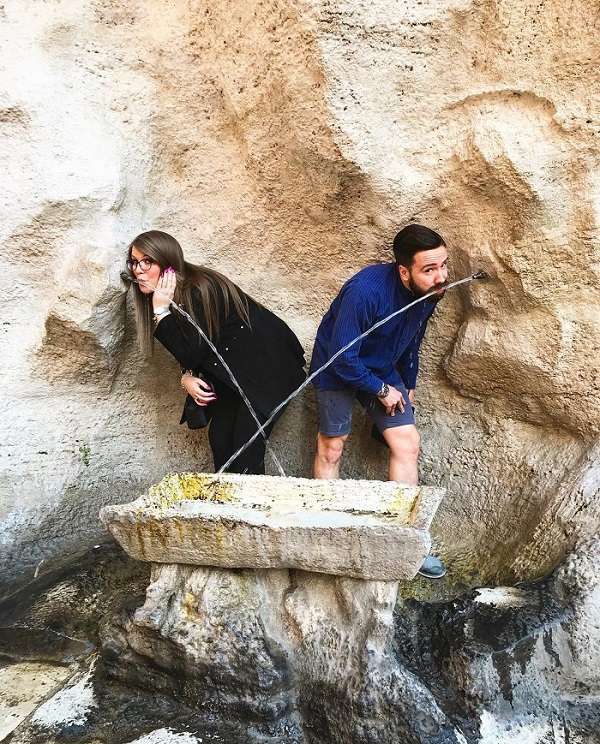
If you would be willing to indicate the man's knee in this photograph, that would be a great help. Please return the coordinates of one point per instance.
(404, 441)
(330, 448)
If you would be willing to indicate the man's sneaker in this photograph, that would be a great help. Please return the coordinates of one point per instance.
(432, 568)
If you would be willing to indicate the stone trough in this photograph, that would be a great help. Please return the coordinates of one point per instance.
(364, 529)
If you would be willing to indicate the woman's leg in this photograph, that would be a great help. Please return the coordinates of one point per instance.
(222, 425)
(252, 459)
(231, 427)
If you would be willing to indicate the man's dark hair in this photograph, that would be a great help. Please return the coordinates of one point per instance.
(412, 239)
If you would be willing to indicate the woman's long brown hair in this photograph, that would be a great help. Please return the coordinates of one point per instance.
(217, 293)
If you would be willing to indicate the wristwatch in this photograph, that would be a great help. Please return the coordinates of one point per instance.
(384, 392)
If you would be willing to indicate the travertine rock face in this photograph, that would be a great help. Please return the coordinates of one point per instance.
(580, 577)
(284, 142)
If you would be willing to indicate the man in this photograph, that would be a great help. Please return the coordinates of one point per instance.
(380, 371)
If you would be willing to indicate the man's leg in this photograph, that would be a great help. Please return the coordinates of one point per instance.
(334, 414)
(403, 442)
(402, 437)
(329, 454)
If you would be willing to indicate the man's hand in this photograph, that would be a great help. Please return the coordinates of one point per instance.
(394, 399)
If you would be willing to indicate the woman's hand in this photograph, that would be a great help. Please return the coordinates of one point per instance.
(165, 289)
(198, 389)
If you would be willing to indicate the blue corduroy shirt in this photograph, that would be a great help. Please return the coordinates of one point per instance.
(390, 353)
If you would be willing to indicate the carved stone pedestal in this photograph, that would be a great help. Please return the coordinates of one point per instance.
(272, 602)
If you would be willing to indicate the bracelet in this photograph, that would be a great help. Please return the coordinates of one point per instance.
(186, 373)
(160, 311)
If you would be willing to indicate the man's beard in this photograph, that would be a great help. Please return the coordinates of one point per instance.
(418, 292)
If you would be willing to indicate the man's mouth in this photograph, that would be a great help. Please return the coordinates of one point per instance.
(437, 292)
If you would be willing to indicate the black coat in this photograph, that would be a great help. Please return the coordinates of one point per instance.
(267, 359)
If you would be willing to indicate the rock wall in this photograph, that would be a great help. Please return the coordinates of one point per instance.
(286, 140)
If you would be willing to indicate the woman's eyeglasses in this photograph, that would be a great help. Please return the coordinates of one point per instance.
(144, 264)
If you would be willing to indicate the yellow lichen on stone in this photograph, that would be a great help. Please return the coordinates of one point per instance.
(402, 504)
(176, 487)
(213, 490)
(188, 606)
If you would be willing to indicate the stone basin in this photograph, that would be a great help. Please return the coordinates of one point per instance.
(375, 530)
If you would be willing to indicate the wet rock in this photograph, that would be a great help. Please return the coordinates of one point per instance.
(55, 617)
(492, 667)
(512, 658)
(302, 657)
(52, 699)
(498, 649)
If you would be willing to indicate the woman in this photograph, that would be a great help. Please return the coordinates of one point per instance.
(263, 354)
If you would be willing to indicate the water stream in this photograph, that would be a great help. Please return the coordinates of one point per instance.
(310, 378)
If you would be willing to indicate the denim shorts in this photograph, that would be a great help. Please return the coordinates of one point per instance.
(334, 411)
